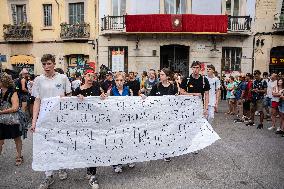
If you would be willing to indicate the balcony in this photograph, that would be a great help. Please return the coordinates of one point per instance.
(71, 32)
(18, 33)
(189, 24)
(113, 24)
(278, 27)
(239, 24)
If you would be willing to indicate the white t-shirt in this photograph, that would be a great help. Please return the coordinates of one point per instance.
(45, 87)
(75, 84)
(215, 85)
(270, 85)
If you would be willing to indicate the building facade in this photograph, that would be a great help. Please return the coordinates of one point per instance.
(125, 44)
(269, 36)
(64, 28)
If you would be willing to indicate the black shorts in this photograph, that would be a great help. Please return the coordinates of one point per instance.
(246, 105)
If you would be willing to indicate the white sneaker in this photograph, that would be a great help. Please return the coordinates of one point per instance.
(271, 128)
(131, 165)
(62, 174)
(278, 129)
(93, 182)
(48, 181)
(117, 168)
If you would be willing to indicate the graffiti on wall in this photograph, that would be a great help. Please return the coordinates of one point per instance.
(77, 64)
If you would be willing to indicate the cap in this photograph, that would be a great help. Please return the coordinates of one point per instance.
(109, 72)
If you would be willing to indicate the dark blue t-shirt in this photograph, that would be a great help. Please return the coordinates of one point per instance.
(240, 88)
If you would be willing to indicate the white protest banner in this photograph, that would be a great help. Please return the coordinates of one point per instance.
(74, 134)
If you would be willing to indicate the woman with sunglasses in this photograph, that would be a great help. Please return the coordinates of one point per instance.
(119, 90)
(89, 88)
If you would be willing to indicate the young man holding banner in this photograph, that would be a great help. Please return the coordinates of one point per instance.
(49, 84)
(196, 85)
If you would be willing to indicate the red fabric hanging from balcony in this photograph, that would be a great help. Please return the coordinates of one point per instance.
(168, 23)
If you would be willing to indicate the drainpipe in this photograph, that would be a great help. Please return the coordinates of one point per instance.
(252, 61)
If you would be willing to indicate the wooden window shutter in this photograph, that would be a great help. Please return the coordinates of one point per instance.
(14, 13)
(24, 14)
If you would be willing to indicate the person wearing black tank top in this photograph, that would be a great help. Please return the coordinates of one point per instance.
(89, 88)
(164, 87)
(8, 94)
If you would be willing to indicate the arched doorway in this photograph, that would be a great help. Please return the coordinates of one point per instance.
(276, 64)
(175, 57)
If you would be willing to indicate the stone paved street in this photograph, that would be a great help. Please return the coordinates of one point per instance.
(244, 158)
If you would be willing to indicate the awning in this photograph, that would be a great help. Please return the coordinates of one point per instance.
(20, 60)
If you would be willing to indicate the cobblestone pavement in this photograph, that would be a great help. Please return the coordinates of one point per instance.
(244, 158)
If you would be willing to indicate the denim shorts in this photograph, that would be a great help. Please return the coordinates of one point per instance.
(267, 102)
(281, 107)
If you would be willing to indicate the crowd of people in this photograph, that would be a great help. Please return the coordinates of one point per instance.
(249, 95)
(246, 95)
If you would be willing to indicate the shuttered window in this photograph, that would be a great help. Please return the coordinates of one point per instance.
(47, 15)
(19, 14)
(76, 13)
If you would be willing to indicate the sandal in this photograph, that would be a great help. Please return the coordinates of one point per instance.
(19, 160)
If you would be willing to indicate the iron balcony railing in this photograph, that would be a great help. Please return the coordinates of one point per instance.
(239, 23)
(22, 32)
(116, 23)
(235, 23)
(278, 26)
(75, 31)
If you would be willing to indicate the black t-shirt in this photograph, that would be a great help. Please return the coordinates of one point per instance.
(92, 91)
(159, 90)
(107, 85)
(134, 86)
(192, 85)
(260, 85)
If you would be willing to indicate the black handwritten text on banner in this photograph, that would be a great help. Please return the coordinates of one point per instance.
(74, 134)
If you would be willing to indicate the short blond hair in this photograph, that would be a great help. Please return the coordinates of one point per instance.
(117, 74)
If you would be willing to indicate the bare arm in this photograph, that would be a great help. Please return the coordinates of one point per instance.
(36, 109)
(23, 84)
(15, 105)
(206, 100)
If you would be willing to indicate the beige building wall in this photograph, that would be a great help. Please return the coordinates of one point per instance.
(143, 59)
(47, 39)
(267, 14)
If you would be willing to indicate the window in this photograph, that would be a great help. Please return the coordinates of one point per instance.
(175, 6)
(19, 15)
(118, 7)
(138, 7)
(233, 7)
(118, 58)
(76, 13)
(47, 15)
(231, 58)
(206, 7)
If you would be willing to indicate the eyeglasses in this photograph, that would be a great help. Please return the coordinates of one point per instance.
(195, 67)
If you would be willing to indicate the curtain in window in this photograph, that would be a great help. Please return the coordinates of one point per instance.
(175, 6)
(76, 13)
(118, 7)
